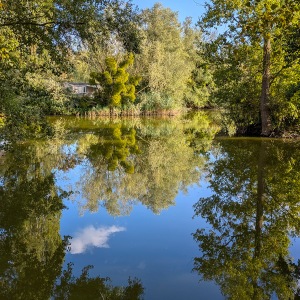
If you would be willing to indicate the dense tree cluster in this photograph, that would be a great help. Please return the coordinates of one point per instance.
(249, 68)
(255, 61)
(38, 40)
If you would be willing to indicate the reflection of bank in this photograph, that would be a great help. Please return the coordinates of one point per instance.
(254, 208)
(148, 164)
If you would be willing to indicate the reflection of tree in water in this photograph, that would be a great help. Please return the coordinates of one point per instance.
(86, 287)
(31, 249)
(110, 158)
(253, 209)
(113, 148)
(139, 160)
(165, 161)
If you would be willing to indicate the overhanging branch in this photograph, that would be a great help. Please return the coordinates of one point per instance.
(52, 23)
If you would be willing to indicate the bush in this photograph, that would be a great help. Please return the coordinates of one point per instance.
(157, 102)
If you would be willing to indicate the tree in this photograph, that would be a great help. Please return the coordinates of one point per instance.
(259, 23)
(59, 26)
(237, 82)
(164, 62)
(200, 82)
(115, 86)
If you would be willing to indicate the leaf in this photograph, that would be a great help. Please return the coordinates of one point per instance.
(274, 6)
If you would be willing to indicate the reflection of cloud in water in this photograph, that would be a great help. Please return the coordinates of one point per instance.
(91, 236)
(142, 265)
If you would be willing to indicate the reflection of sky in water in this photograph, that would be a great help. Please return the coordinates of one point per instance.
(92, 237)
(158, 249)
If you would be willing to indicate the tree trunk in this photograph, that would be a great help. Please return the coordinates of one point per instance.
(266, 126)
(259, 215)
(260, 199)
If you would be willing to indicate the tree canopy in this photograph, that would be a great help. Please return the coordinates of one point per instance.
(59, 26)
(260, 25)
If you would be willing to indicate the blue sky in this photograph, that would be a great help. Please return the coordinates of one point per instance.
(185, 8)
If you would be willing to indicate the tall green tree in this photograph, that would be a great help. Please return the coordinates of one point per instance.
(260, 23)
(164, 61)
(115, 86)
(200, 82)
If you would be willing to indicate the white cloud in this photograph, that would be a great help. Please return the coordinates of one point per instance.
(91, 236)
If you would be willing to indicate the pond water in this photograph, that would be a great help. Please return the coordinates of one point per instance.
(168, 204)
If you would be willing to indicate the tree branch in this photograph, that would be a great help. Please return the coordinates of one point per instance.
(273, 77)
(40, 24)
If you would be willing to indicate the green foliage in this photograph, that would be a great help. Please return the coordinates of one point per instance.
(254, 41)
(292, 45)
(252, 212)
(8, 45)
(44, 90)
(157, 102)
(164, 61)
(287, 113)
(2, 121)
(32, 250)
(237, 82)
(86, 287)
(169, 159)
(116, 87)
(116, 144)
(37, 41)
(53, 25)
(199, 87)
(24, 122)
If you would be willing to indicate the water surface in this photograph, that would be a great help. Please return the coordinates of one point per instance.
(189, 214)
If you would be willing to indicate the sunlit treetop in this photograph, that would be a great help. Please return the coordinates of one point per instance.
(252, 19)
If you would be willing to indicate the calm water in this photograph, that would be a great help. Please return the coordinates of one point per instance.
(188, 214)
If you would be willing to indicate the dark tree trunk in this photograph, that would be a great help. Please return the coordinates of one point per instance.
(266, 126)
(260, 199)
(259, 212)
